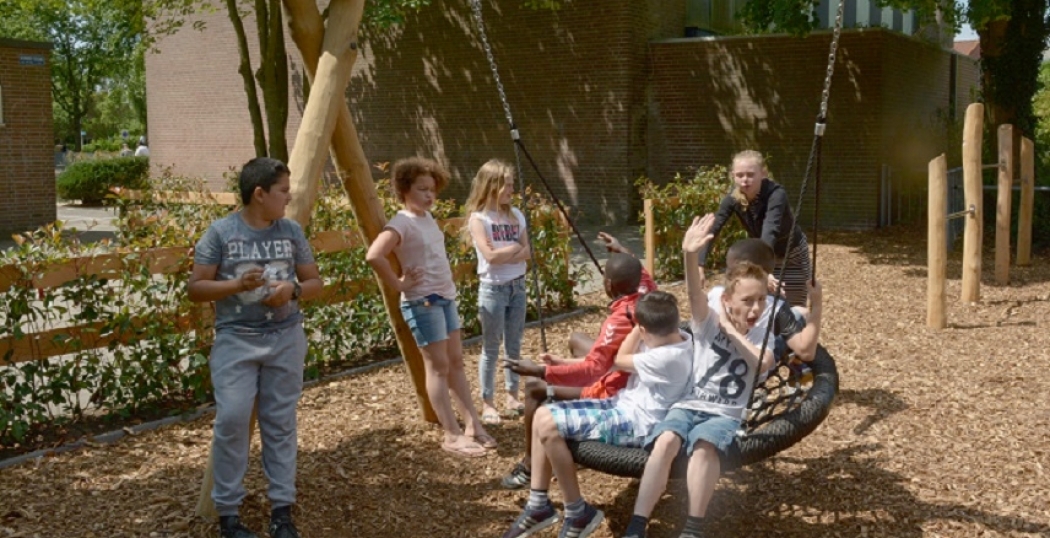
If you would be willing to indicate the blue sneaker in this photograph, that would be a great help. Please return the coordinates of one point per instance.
(583, 525)
(531, 521)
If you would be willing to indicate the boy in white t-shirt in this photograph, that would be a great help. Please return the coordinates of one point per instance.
(704, 422)
(661, 377)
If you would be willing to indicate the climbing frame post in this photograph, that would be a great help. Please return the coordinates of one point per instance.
(1002, 206)
(937, 245)
(972, 137)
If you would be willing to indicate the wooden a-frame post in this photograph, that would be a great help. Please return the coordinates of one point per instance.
(329, 57)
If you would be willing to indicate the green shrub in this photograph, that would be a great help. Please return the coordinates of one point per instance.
(90, 181)
(158, 356)
(674, 206)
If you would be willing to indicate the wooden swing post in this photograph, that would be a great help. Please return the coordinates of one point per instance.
(973, 128)
(1024, 213)
(937, 245)
(1002, 205)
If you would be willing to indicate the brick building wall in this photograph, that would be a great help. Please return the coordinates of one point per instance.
(601, 92)
(714, 97)
(27, 139)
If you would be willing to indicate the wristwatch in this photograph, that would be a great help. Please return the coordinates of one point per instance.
(297, 291)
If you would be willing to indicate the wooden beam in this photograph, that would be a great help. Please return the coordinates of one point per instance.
(937, 245)
(973, 128)
(307, 29)
(1002, 205)
(1024, 212)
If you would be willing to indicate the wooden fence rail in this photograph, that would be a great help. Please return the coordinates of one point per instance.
(36, 346)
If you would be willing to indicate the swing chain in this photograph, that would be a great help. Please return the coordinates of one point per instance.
(826, 94)
(475, 6)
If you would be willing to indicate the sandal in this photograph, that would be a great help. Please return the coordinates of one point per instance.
(469, 450)
(486, 441)
(490, 418)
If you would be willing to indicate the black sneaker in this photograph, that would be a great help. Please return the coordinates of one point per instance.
(230, 527)
(519, 478)
(531, 521)
(583, 525)
(282, 527)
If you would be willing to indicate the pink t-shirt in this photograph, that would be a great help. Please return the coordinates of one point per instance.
(423, 245)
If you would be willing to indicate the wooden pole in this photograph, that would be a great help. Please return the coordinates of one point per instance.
(307, 27)
(650, 236)
(327, 88)
(1002, 205)
(972, 139)
(1024, 214)
(937, 245)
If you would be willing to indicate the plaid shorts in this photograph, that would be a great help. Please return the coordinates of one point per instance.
(594, 420)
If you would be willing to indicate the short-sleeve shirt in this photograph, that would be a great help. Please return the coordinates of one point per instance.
(235, 248)
(423, 245)
(722, 378)
(502, 230)
(661, 377)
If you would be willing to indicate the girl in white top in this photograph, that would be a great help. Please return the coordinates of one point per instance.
(501, 241)
(428, 299)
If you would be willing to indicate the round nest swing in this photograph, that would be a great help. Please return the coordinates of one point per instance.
(787, 407)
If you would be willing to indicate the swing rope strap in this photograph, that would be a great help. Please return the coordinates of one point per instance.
(812, 163)
(515, 135)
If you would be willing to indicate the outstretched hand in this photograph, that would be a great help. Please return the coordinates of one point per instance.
(699, 233)
(611, 243)
(525, 367)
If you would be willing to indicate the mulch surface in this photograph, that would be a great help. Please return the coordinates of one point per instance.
(934, 433)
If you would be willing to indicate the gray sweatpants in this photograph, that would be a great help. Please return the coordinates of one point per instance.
(244, 365)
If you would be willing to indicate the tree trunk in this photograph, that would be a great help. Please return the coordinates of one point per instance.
(272, 75)
(1011, 53)
(245, 69)
(307, 28)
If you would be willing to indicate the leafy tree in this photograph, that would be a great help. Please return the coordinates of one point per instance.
(1013, 35)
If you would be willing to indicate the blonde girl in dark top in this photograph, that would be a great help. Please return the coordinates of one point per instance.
(763, 208)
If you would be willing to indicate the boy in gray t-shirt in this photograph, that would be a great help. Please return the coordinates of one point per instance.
(256, 266)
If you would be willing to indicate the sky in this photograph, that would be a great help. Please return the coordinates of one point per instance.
(966, 33)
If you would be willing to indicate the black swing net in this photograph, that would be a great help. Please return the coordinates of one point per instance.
(793, 400)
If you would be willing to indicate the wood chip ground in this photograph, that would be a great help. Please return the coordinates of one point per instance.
(934, 434)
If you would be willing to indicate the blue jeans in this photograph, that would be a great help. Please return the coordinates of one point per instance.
(501, 309)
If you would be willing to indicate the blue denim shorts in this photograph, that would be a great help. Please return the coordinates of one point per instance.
(694, 426)
(431, 319)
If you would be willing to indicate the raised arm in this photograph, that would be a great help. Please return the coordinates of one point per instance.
(696, 238)
(725, 210)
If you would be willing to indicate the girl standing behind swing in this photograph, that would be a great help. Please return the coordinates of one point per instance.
(428, 299)
(501, 241)
(763, 208)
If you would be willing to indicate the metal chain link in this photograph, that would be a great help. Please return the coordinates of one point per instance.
(475, 6)
(831, 61)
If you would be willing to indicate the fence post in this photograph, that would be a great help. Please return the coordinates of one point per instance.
(936, 248)
(972, 138)
(650, 237)
(1024, 213)
(1002, 205)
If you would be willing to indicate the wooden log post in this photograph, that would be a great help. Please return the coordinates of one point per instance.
(937, 245)
(650, 237)
(327, 88)
(973, 128)
(1002, 205)
(1024, 213)
(307, 27)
